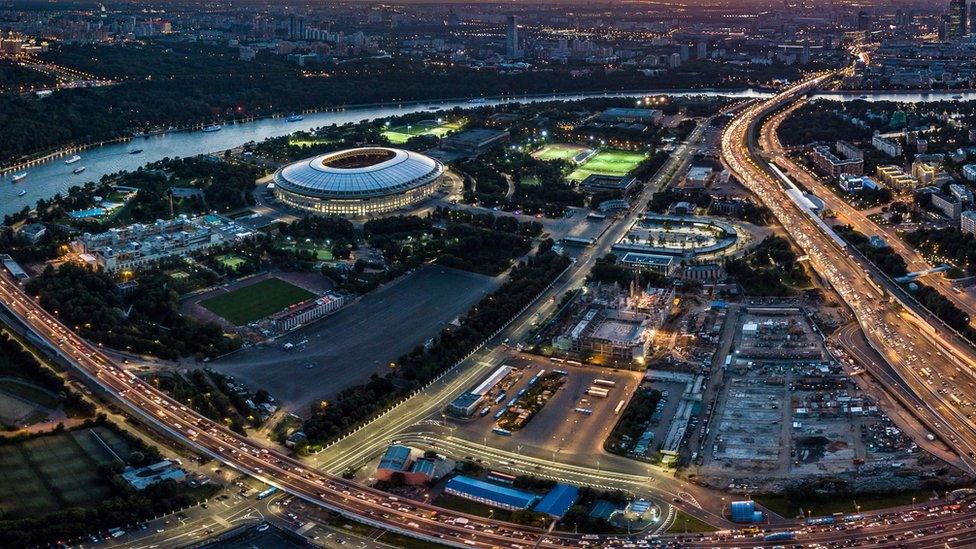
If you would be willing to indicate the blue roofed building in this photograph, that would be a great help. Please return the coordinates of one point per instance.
(745, 512)
(393, 461)
(494, 495)
(398, 465)
(558, 500)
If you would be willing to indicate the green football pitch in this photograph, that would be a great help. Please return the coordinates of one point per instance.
(256, 301)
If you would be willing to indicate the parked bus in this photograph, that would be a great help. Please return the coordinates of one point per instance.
(502, 432)
(268, 492)
(604, 382)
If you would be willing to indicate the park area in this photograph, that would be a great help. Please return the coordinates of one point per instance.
(612, 162)
(560, 151)
(57, 471)
(245, 305)
(399, 135)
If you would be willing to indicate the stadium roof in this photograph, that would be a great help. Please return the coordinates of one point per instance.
(503, 496)
(359, 173)
(558, 500)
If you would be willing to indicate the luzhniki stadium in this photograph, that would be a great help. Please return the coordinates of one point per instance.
(358, 182)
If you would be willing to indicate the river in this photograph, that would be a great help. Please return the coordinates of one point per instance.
(46, 179)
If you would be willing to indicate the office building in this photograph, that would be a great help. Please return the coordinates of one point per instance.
(961, 192)
(702, 50)
(887, 146)
(856, 183)
(863, 21)
(969, 170)
(967, 222)
(894, 177)
(948, 205)
(513, 49)
(925, 173)
(956, 25)
(829, 163)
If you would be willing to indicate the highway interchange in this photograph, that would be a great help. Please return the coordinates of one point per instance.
(905, 338)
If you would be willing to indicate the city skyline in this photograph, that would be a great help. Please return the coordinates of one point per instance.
(488, 274)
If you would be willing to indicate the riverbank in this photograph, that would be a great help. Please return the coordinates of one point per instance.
(41, 157)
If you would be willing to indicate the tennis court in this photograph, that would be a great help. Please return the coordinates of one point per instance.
(52, 472)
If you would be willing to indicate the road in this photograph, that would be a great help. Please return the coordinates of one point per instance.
(886, 327)
(367, 505)
(909, 340)
(358, 448)
(773, 148)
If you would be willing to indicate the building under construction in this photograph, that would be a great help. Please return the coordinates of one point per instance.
(616, 326)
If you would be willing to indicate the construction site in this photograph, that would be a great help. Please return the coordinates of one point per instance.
(785, 412)
(607, 325)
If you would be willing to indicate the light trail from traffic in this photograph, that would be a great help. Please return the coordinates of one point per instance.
(899, 335)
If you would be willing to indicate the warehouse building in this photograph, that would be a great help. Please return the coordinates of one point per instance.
(494, 495)
(558, 501)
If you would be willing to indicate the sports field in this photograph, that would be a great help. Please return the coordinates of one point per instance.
(322, 253)
(399, 135)
(256, 301)
(559, 151)
(56, 471)
(613, 162)
(230, 261)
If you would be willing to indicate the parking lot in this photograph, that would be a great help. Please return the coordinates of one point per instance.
(360, 339)
(558, 428)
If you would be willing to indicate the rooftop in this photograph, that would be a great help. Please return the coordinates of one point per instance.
(558, 500)
(359, 173)
(491, 492)
(395, 458)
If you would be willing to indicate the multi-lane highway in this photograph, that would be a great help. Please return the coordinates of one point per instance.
(770, 144)
(909, 339)
(362, 503)
(905, 340)
(348, 498)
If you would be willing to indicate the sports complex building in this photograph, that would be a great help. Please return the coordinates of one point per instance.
(358, 182)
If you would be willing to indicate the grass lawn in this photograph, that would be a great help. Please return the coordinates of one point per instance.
(462, 505)
(308, 142)
(256, 301)
(322, 253)
(612, 162)
(789, 508)
(29, 392)
(52, 472)
(399, 135)
(685, 523)
(531, 181)
(559, 151)
(231, 261)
